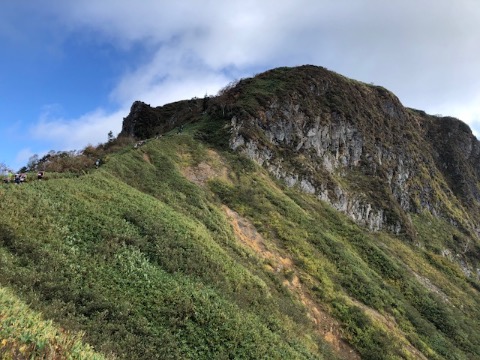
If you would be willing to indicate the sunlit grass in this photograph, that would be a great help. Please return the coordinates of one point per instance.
(146, 264)
(24, 334)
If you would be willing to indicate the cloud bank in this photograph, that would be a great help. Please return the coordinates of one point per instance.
(425, 54)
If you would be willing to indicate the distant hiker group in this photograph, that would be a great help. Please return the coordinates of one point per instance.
(9, 177)
(20, 178)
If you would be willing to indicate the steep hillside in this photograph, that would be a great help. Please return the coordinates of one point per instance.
(25, 335)
(350, 144)
(225, 239)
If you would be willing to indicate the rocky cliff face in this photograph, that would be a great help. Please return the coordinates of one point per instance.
(351, 144)
(355, 146)
(457, 154)
(144, 121)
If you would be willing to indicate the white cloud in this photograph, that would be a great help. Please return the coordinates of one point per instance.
(22, 157)
(166, 78)
(417, 50)
(425, 54)
(74, 134)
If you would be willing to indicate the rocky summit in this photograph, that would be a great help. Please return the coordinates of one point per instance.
(351, 144)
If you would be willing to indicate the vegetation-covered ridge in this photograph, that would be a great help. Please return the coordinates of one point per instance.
(348, 143)
(145, 257)
(177, 247)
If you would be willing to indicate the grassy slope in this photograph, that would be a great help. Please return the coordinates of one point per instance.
(146, 264)
(24, 334)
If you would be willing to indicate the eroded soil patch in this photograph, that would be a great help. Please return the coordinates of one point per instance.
(327, 326)
(212, 167)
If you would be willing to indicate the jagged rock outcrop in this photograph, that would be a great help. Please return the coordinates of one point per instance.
(356, 146)
(144, 122)
(457, 154)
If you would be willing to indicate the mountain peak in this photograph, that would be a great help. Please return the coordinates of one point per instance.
(215, 233)
(349, 143)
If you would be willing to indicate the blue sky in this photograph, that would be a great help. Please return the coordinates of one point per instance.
(70, 70)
